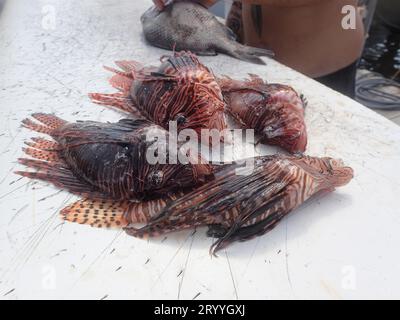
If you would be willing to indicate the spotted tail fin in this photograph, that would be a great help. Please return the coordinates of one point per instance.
(105, 213)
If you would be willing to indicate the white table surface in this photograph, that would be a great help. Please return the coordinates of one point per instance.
(342, 246)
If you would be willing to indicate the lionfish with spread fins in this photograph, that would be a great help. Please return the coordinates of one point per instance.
(181, 89)
(275, 111)
(241, 207)
(194, 100)
(105, 163)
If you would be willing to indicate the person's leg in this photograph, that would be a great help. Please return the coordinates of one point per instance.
(234, 20)
(343, 80)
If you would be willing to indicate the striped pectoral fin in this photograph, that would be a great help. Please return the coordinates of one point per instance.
(153, 75)
(117, 100)
(121, 80)
(217, 231)
(150, 212)
(129, 66)
(57, 174)
(122, 83)
(255, 223)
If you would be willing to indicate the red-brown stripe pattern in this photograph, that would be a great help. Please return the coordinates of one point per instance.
(248, 206)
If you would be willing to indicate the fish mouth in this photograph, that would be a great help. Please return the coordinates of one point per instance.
(342, 176)
(339, 174)
(293, 140)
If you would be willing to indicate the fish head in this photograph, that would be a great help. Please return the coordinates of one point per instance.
(333, 169)
(341, 174)
(291, 135)
(288, 127)
(162, 164)
(273, 110)
(332, 172)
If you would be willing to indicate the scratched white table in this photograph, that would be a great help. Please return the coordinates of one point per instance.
(345, 245)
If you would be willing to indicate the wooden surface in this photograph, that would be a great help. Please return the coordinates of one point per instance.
(341, 246)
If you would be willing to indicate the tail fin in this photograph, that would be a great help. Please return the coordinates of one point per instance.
(105, 213)
(247, 53)
(97, 213)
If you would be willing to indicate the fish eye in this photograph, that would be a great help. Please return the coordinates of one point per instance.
(180, 119)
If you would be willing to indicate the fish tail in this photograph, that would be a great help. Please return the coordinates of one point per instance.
(108, 213)
(247, 53)
(97, 213)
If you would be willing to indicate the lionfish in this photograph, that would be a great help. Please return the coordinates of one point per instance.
(234, 207)
(108, 163)
(241, 207)
(181, 89)
(275, 111)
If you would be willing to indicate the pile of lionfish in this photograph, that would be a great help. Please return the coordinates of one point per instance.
(105, 163)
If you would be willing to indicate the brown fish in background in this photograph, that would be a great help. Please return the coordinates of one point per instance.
(187, 25)
(181, 89)
(107, 162)
(241, 207)
(274, 111)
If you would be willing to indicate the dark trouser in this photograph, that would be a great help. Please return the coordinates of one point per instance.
(343, 80)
